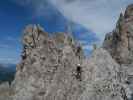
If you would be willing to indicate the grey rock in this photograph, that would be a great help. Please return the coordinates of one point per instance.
(120, 42)
(54, 68)
(49, 69)
(102, 79)
(6, 92)
(129, 11)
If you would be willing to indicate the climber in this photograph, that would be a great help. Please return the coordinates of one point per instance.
(78, 72)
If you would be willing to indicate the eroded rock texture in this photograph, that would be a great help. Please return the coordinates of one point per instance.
(103, 79)
(120, 42)
(50, 67)
(6, 92)
(54, 68)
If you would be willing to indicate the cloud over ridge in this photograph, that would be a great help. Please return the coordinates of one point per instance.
(98, 16)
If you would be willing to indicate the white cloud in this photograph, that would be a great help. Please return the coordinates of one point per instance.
(11, 39)
(98, 16)
(83, 42)
(39, 7)
(87, 47)
(8, 60)
(8, 42)
(5, 46)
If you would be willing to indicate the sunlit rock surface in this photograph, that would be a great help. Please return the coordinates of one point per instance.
(6, 92)
(49, 67)
(54, 68)
(103, 80)
(120, 42)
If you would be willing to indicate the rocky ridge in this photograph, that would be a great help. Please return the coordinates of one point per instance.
(120, 42)
(49, 68)
(54, 67)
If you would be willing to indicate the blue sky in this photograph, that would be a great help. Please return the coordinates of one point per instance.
(91, 19)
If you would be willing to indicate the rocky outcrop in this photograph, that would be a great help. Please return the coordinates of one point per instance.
(50, 67)
(6, 92)
(104, 78)
(54, 68)
(120, 42)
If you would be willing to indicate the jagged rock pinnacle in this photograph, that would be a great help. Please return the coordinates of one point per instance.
(120, 42)
(129, 11)
(48, 68)
(54, 68)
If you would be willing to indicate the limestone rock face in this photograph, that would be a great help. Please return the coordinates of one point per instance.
(50, 68)
(103, 79)
(129, 11)
(6, 91)
(120, 42)
(54, 68)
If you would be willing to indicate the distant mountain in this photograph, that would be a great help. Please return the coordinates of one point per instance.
(7, 72)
